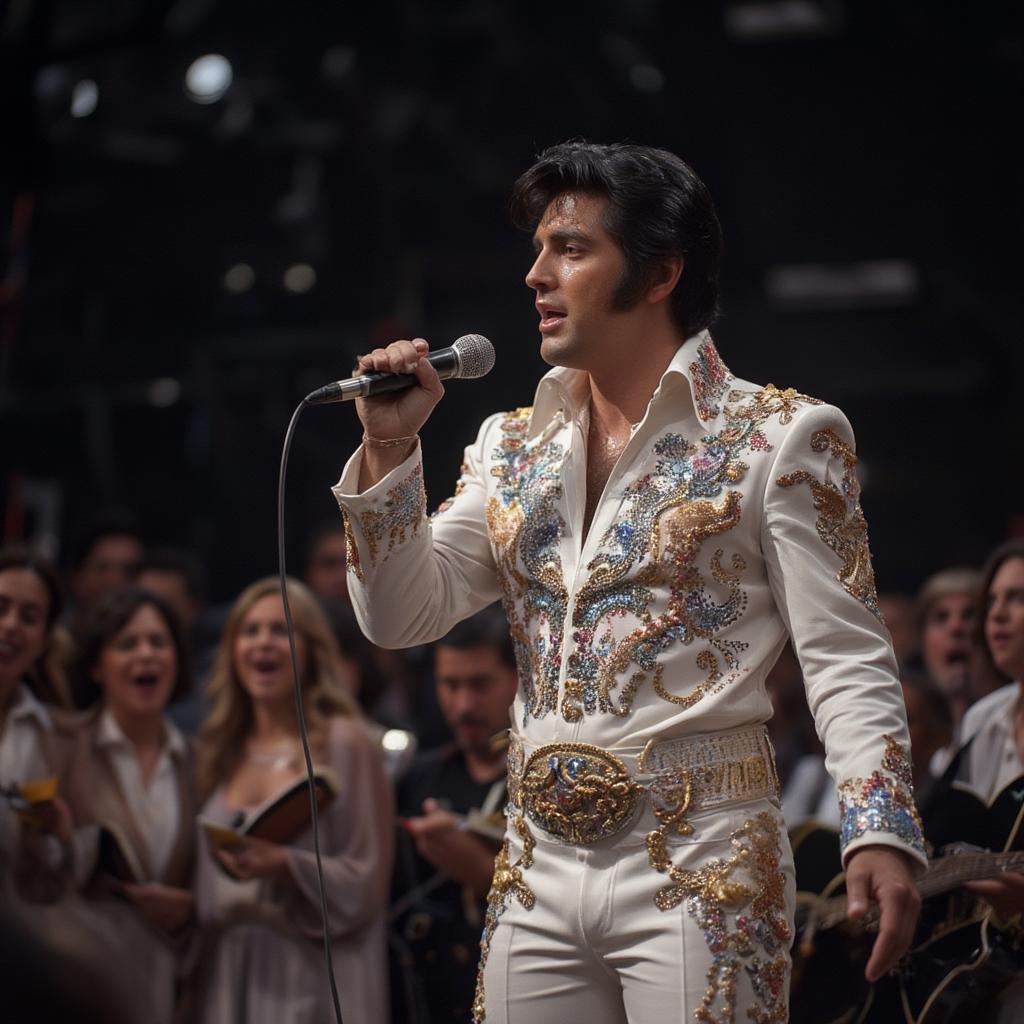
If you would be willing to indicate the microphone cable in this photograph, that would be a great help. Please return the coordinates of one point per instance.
(303, 735)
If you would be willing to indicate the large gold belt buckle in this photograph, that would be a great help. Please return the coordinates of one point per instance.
(577, 793)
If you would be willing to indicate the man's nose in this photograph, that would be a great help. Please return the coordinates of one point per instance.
(539, 276)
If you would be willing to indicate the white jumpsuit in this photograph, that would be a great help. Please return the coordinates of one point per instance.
(730, 522)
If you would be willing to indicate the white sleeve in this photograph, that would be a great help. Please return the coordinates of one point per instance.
(412, 578)
(819, 567)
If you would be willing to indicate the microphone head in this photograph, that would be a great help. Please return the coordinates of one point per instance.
(476, 355)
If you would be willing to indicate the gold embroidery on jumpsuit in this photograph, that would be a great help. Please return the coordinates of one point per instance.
(759, 939)
(841, 523)
(507, 882)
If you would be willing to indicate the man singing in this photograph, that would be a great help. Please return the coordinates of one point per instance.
(656, 528)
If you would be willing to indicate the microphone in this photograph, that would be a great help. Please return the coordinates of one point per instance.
(470, 357)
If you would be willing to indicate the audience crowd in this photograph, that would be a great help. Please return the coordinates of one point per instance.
(156, 841)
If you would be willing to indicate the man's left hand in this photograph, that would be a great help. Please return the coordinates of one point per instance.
(883, 875)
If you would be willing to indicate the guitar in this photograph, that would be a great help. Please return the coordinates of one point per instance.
(830, 952)
(964, 956)
(959, 957)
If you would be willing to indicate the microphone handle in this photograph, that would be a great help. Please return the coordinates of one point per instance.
(445, 361)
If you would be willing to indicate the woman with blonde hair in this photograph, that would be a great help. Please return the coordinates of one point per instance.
(258, 902)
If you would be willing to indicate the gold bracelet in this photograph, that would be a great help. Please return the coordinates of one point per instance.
(387, 442)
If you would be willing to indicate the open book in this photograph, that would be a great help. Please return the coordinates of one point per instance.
(116, 857)
(276, 820)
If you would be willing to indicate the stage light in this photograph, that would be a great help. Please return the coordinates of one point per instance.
(208, 78)
(84, 98)
(299, 278)
(395, 740)
(870, 283)
(238, 279)
(163, 392)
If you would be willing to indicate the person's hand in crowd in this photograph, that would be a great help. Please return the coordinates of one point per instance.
(462, 856)
(883, 875)
(255, 858)
(1005, 892)
(163, 906)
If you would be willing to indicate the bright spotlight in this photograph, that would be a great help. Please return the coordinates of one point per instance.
(239, 278)
(84, 98)
(208, 78)
(299, 278)
(395, 740)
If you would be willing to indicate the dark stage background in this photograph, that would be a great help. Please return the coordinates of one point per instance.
(861, 154)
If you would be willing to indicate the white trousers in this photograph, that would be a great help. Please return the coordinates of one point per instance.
(574, 934)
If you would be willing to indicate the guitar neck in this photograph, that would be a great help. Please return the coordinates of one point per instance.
(942, 875)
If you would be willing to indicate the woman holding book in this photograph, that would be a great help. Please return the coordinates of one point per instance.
(258, 901)
(130, 787)
(33, 736)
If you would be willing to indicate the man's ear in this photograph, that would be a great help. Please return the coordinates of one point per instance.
(665, 279)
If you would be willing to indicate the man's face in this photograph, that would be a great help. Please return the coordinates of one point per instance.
(327, 572)
(475, 690)
(946, 641)
(575, 276)
(110, 564)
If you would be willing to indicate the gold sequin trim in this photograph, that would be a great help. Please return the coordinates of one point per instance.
(758, 939)
(351, 549)
(841, 523)
(506, 884)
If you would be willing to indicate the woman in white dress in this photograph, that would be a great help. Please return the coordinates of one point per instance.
(261, 958)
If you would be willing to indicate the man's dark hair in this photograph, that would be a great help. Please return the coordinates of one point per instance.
(104, 622)
(658, 208)
(487, 628)
(187, 564)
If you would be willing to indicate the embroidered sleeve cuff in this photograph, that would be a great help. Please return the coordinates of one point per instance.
(879, 810)
(383, 516)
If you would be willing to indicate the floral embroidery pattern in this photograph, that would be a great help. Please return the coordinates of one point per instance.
(523, 523)
(652, 552)
(404, 509)
(841, 523)
(667, 516)
(709, 379)
(759, 939)
(882, 802)
(507, 882)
